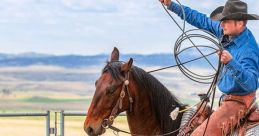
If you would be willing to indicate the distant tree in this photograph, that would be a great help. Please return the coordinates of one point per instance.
(6, 92)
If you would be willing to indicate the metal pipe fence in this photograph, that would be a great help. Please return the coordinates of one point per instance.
(46, 114)
(77, 114)
(49, 130)
(62, 119)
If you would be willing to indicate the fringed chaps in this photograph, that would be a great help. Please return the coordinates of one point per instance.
(227, 117)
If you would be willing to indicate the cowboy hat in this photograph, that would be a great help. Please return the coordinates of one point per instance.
(234, 10)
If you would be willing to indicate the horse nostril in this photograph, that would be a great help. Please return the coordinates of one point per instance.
(89, 130)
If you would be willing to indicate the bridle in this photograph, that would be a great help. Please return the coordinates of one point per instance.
(107, 123)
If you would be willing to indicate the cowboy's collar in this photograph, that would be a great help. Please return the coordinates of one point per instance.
(240, 39)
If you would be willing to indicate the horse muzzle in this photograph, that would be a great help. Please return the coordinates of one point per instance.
(94, 131)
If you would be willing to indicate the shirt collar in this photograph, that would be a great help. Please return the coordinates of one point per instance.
(241, 39)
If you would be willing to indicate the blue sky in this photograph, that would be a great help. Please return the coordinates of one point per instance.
(89, 27)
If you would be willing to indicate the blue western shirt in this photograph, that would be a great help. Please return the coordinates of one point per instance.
(240, 75)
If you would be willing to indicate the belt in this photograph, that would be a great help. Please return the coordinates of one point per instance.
(245, 99)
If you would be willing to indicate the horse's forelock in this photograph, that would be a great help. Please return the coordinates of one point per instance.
(114, 68)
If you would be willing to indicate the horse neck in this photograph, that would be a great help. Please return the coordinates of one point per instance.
(142, 119)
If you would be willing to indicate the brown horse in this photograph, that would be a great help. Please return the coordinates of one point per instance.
(124, 87)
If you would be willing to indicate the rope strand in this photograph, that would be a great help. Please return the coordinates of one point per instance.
(193, 76)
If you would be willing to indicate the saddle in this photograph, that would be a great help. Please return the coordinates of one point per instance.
(251, 120)
(253, 116)
(202, 113)
(248, 119)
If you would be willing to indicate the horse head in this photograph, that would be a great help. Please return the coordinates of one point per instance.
(111, 96)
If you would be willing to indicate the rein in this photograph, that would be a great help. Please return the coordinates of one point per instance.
(107, 123)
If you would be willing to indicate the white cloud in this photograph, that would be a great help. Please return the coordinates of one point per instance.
(131, 23)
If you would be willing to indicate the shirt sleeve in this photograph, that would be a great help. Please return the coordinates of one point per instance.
(197, 19)
(245, 71)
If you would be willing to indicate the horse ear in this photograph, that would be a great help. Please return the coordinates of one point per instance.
(127, 66)
(115, 55)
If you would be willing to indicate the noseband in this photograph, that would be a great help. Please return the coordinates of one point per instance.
(109, 121)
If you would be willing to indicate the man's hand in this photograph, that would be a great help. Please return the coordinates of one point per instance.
(225, 56)
(166, 2)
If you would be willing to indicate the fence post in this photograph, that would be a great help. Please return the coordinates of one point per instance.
(47, 123)
(62, 123)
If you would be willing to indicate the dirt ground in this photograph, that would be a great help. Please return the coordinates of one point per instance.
(36, 126)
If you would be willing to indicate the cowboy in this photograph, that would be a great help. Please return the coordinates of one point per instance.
(239, 78)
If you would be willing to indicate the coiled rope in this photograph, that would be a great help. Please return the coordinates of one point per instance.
(179, 49)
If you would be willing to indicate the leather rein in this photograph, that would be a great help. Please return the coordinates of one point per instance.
(107, 123)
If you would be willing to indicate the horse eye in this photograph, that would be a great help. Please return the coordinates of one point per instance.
(110, 90)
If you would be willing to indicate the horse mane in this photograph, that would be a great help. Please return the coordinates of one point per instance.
(162, 100)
